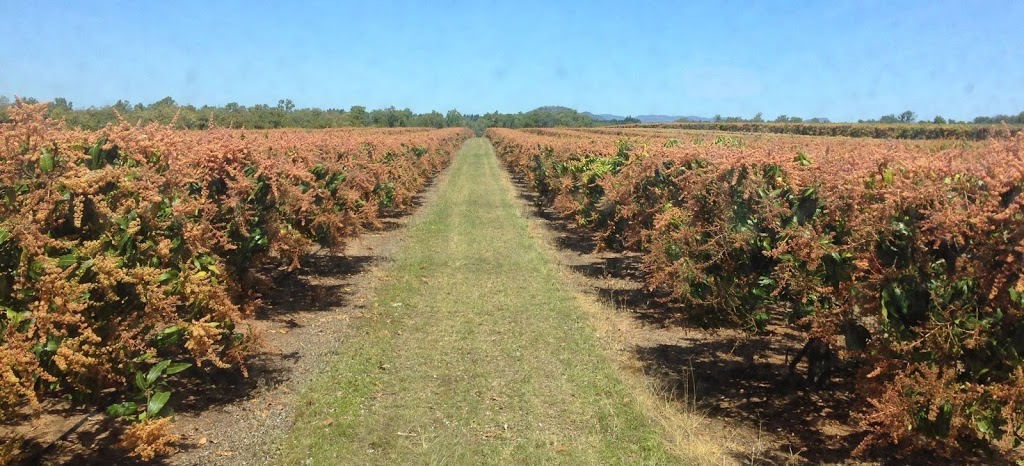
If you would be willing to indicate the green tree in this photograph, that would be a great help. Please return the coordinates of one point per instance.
(939, 120)
(454, 119)
(907, 117)
(428, 120)
(59, 109)
(359, 114)
(164, 102)
(63, 104)
(4, 103)
(123, 106)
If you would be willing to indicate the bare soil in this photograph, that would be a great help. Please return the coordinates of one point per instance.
(308, 312)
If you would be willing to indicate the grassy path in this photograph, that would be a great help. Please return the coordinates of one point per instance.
(474, 354)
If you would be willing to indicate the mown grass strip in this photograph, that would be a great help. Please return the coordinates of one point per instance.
(474, 353)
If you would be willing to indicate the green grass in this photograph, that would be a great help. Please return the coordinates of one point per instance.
(475, 353)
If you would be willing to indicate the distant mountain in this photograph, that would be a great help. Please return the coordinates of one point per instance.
(662, 118)
(644, 118)
(601, 117)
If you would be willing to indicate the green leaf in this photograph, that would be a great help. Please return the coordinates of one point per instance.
(96, 154)
(885, 309)
(157, 402)
(140, 381)
(157, 370)
(35, 269)
(887, 176)
(122, 409)
(66, 261)
(16, 318)
(168, 336)
(167, 277)
(985, 426)
(177, 367)
(46, 161)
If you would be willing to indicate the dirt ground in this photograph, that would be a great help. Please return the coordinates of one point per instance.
(307, 313)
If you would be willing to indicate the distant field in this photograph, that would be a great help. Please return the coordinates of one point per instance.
(859, 130)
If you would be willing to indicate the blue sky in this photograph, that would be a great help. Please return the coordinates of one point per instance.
(839, 59)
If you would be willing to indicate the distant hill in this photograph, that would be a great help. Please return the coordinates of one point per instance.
(670, 118)
(601, 117)
(644, 118)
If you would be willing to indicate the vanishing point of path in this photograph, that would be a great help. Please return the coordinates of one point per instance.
(474, 352)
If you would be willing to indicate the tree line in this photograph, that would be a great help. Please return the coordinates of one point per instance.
(285, 115)
(908, 116)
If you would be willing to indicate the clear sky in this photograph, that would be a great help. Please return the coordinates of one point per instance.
(839, 59)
